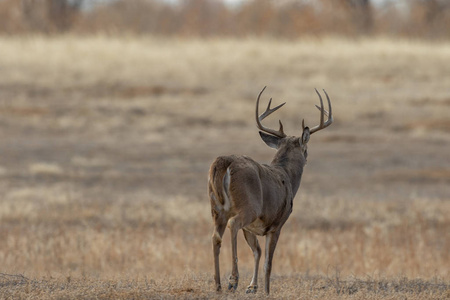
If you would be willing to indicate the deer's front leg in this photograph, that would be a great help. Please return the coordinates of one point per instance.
(254, 245)
(234, 226)
(271, 243)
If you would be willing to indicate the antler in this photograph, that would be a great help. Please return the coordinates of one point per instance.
(323, 112)
(268, 111)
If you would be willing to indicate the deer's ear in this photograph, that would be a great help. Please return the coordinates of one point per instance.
(305, 135)
(270, 140)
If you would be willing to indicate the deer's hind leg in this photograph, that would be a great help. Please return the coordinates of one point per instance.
(234, 224)
(219, 229)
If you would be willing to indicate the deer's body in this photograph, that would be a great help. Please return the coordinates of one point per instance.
(257, 198)
(265, 192)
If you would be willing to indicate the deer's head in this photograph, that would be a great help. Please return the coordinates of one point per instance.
(289, 147)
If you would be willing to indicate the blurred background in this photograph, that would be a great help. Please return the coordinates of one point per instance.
(230, 18)
(112, 111)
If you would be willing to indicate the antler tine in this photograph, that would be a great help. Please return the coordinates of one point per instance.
(330, 115)
(321, 108)
(268, 111)
(323, 112)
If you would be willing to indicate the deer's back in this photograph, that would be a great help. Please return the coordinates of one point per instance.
(238, 184)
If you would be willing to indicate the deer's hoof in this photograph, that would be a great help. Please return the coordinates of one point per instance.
(251, 289)
(233, 284)
(218, 288)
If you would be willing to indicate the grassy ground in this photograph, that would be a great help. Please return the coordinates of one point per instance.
(106, 144)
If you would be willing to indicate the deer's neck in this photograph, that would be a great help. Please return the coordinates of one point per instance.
(293, 167)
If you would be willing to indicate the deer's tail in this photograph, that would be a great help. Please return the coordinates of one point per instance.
(219, 183)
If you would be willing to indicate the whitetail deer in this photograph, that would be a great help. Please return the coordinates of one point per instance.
(258, 198)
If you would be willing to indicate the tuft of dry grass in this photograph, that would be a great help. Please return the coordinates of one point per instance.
(106, 143)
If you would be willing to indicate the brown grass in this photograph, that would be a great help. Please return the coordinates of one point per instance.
(106, 144)
(197, 286)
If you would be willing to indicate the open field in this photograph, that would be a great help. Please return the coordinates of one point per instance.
(106, 145)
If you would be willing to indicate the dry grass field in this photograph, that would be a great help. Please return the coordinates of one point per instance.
(106, 145)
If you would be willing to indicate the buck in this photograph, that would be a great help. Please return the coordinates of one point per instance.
(257, 198)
